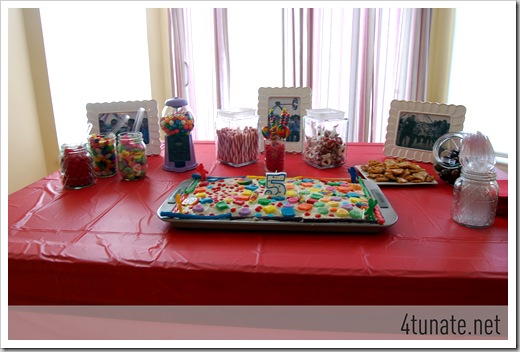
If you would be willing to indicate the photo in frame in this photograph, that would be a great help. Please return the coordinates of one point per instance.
(414, 126)
(118, 117)
(296, 101)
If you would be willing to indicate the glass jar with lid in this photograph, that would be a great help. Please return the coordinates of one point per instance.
(325, 138)
(103, 149)
(76, 166)
(131, 156)
(237, 136)
(446, 152)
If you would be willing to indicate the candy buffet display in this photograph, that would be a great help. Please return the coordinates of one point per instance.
(275, 134)
(131, 156)
(76, 167)
(277, 200)
(103, 149)
(325, 140)
(177, 122)
(237, 136)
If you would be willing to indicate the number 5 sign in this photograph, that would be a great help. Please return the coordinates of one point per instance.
(275, 183)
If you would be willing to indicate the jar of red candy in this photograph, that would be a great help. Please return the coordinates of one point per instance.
(325, 139)
(274, 152)
(131, 156)
(103, 149)
(76, 169)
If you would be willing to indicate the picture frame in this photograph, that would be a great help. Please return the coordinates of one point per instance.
(296, 100)
(414, 126)
(119, 117)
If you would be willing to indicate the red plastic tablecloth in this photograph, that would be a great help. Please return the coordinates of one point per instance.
(105, 244)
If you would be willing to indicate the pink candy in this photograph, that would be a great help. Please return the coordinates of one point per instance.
(237, 147)
(325, 150)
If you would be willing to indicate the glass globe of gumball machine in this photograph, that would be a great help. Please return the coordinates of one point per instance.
(177, 123)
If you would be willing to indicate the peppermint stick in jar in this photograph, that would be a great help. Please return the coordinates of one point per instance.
(237, 147)
(237, 136)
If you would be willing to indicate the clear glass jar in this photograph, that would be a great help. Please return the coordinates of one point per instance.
(76, 168)
(237, 136)
(131, 156)
(475, 199)
(446, 152)
(274, 154)
(325, 138)
(103, 150)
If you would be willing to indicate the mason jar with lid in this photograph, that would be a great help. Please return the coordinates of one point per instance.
(76, 168)
(325, 138)
(103, 149)
(131, 156)
(237, 136)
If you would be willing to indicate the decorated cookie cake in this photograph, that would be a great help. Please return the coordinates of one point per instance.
(275, 197)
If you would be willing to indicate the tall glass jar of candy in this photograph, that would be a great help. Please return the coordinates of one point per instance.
(275, 135)
(237, 136)
(131, 156)
(274, 155)
(76, 169)
(325, 139)
(103, 149)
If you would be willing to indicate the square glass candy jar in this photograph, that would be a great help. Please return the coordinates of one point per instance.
(325, 138)
(237, 136)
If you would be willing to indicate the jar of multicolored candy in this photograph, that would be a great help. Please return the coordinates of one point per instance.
(103, 149)
(76, 169)
(131, 156)
(325, 139)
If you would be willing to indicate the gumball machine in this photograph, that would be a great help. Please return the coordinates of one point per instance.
(177, 123)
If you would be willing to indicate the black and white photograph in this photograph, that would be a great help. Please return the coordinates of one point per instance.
(419, 130)
(414, 127)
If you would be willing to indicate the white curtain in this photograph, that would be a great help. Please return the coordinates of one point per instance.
(354, 60)
(200, 73)
(362, 59)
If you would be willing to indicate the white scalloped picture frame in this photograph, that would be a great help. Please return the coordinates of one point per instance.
(100, 116)
(414, 126)
(296, 99)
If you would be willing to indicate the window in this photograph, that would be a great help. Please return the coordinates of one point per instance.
(483, 72)
(93, 55)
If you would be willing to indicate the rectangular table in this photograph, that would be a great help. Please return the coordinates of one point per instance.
(106, 245)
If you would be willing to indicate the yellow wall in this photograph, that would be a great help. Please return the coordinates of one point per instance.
(31, 132)
(440, 52)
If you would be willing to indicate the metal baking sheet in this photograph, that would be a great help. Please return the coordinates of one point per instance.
(254, 224)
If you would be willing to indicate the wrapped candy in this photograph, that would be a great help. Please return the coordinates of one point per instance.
(325, 138)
